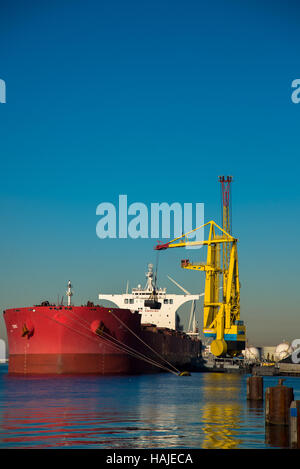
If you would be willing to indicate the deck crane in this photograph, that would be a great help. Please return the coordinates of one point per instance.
(221, 316)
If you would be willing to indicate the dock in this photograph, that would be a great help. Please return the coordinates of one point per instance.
(225, 365)
(235, 365)
(278, 369)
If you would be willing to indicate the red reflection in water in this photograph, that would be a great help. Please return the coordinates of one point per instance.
(59, 427)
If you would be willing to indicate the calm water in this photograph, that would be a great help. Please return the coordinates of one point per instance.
(205, 410)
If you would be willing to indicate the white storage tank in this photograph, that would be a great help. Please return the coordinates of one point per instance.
(252, 353)
(283, 351)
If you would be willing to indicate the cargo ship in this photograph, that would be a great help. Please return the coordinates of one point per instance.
(144, 336)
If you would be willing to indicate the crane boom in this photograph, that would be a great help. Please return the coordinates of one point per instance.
(221, 317)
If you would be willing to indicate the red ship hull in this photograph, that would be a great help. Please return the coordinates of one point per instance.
(91, 339)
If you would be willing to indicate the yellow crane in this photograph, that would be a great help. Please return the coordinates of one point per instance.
(221, 316)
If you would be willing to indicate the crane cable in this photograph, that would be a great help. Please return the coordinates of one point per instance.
(156, 269)
(120, 347)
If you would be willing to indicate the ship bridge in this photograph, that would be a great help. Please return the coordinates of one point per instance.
(165, 316)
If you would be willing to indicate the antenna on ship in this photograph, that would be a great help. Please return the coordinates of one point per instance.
(69, 293)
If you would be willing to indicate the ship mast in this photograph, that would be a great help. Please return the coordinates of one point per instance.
(69, 293)
(149, 285)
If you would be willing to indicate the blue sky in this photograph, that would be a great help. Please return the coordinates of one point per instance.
(153, 100)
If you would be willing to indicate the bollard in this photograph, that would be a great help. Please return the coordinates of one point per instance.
(277, 404)
(255, 388)
(295, 424)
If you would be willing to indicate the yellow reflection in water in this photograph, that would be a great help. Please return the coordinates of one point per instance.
(221, 412)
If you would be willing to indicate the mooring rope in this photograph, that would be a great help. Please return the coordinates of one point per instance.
(111, 338)
(110, 343)
(122, 347)
(160, 356)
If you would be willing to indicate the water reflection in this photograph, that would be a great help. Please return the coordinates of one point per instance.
(206, 410)
(221, 414)
(256, 407)
(159, 411)
(103, 412)
(67, 411)
(277, 436)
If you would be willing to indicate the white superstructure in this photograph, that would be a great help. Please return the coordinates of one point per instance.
(165, 316)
